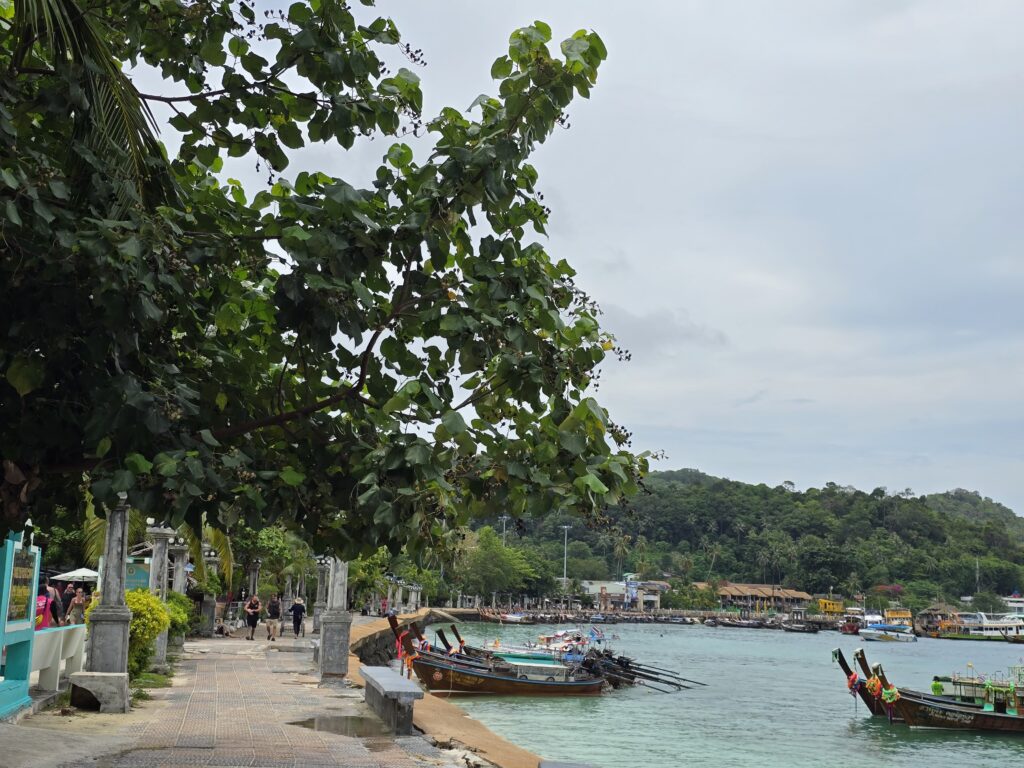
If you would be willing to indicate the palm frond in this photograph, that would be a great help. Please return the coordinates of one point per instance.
(116, 123)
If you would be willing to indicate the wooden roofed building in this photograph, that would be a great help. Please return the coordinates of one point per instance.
(757, 597)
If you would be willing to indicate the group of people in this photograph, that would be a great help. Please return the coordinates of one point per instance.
(254, 609)
(56, 609)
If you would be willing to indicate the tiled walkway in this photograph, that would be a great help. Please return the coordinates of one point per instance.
(234, 703)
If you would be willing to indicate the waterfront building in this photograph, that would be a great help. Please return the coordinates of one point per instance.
(758, 597)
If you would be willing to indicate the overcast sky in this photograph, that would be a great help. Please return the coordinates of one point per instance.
(802, 218)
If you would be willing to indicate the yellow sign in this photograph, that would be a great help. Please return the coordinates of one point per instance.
(22, 593)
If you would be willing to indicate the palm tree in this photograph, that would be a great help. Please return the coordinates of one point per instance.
(115, 122)
(621, 550)
(95, 540)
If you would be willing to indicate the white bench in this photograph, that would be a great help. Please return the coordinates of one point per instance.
(53, 646)
(391, 696)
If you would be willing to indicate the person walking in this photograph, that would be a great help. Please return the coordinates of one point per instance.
(273, 616)
(47, 611)
(75, 613)
(67, 597)
(252, 615)
(298, 612)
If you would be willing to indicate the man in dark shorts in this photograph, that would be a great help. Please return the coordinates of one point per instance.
(252, 615)
(298, 612)
(273, 616)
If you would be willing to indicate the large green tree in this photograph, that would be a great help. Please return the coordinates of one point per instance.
(369, 365)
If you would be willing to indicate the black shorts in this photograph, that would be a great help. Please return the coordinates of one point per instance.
(252, 619)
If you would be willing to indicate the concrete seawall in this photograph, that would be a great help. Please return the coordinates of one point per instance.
(443, 721)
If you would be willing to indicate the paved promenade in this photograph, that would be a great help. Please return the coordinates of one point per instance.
(233, 703)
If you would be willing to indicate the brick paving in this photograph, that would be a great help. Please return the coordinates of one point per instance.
(234, 703)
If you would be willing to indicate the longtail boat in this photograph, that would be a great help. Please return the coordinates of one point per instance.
(1000, 711)
(442, 675)
(874, 689)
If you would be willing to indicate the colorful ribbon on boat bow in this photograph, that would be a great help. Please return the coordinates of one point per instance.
(853, 683)
(874, 686)
(890, 696)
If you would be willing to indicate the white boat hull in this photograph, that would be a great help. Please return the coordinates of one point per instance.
(887, 636)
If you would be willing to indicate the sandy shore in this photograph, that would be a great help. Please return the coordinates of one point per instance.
(443, 721)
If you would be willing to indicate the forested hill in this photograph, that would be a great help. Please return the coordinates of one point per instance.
(973, 506)
(691, 526)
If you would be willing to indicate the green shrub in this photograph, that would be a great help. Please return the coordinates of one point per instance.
(180, 609)
(149, 619)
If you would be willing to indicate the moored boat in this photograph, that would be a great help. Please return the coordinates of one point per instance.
(799, 626)
(890, 633)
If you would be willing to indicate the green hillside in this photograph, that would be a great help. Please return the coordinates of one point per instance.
(690, 526)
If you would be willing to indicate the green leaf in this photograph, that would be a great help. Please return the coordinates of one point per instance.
(149, 309)
(123, 480)
(418, 453)
(454, 423)
(593, 483)
(165, 465)
(400, 155)
(9, 178)
(290, 135)
(25, 374)
(138, 464)
(221, 400)
(12, 213)
(237, 46)
(292, 477)
(501, 68)
(103, 447)
(208, 438)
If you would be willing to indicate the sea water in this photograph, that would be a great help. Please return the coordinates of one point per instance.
(772, 699)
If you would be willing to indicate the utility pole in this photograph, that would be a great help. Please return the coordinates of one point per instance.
(565, 559)
(504, 519)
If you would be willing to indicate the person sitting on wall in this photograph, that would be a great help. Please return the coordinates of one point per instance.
(222, 630)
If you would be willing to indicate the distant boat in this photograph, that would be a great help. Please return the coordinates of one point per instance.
(982, 626)
(799, 626)
(889, 633)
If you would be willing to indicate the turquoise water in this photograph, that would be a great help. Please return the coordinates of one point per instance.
(774, 699)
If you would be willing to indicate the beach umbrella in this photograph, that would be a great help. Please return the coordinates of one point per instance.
(79, 574)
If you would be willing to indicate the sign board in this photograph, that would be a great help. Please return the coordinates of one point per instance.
(136, 576)
(22, 600)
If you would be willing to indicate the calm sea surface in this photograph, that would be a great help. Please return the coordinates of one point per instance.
(774, 699)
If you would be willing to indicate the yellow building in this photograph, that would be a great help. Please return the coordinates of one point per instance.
(827, 606)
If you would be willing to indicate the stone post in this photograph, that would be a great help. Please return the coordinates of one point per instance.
(322, 574)
(208, 617)
(179, 582)
(300, 590)
(106, 678)
(288, 594)
(254, 577)
(335, 624)
(161, 537)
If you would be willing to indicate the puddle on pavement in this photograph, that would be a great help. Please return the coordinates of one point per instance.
(349, 725)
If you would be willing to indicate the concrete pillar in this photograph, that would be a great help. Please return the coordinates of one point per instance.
(254, 577)
(208, 610)
(320, 604)
(109, 621)
(179, 581)
(161, 537)
(288, 594)
(300, 590)
(335, 624)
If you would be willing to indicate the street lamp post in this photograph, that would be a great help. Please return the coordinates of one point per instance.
(504, 519)
(565, 559)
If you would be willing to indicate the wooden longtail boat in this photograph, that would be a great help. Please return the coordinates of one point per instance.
(799, 626)
(443, 675)
(1000, 711)
(875, 704)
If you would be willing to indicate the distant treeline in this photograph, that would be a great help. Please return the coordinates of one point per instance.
(690, 526)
